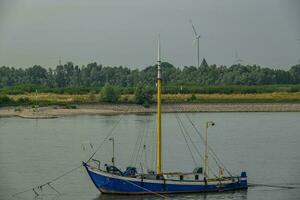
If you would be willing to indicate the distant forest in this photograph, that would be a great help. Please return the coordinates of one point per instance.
(96, 75)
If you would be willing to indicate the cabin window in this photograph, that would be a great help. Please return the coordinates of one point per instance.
(196, 177)
(181, 177)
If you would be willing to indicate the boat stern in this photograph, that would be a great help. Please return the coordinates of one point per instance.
(243, 180)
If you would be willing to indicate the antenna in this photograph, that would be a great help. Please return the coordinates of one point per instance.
(158, 58)
(197, 38)
(238, 60)
(299, 43)
(59, 61)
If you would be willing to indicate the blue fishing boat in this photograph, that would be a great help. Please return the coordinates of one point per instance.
(109, 179)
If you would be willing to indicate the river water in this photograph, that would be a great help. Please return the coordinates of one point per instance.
(32, 152)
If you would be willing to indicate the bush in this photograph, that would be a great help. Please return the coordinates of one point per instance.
(23, 100)
(70, 107)
(92, 96)
(110, 93)
(192, 98)
(143, 95)
(4, 100)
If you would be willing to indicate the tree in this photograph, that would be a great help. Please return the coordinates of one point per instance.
(36, 75)
(60, 78)
(295, 73)
(109, 93)
(94, 75)
(143, 95)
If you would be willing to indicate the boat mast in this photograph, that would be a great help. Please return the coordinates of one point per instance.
(158, 131)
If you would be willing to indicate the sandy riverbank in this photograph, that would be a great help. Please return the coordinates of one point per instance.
(108, 109)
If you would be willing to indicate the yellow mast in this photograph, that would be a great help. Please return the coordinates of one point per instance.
(158, 131)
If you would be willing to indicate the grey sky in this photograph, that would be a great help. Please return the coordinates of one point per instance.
(124, 32)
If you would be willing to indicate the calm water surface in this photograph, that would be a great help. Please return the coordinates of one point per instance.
(33, 152)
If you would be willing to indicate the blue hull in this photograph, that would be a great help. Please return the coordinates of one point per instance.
(114, 184)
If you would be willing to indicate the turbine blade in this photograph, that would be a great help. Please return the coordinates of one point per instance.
(193, 28)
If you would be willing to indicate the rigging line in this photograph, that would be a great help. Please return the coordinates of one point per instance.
(181, 130)
(144, 150)
(152, 150)
(133, 155)
(139, 156)
(136, 150)
(215, 157)
(160, 195)
(141, 149)
(146, 141)
(186, 132)
(197, 150)
(106, 137)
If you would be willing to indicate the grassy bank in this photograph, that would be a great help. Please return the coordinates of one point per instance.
(167, 89)
(275, 97)
(44, 99)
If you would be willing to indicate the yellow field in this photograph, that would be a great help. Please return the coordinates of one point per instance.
(51, 97)
(235, 98)
(259, 97)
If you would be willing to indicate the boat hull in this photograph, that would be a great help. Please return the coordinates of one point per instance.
(114, 184)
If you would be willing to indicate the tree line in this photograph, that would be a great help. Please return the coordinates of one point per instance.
(97, 75)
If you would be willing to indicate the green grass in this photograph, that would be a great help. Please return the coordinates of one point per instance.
(167, 89)
(68, 100)
(275, 97)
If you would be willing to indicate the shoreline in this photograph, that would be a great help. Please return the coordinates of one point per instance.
(115, 109)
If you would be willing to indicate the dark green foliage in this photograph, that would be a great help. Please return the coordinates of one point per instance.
(5, 100)
(295, 74)
(72, 79)
(109, 93)
(23, 100)
(193, 98)
(28, 88)
(70, 107)
(143, 95)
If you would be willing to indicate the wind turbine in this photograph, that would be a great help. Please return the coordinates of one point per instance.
(197, 38)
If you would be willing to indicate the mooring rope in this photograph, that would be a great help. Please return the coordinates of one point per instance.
(48, 183)
(270, 185)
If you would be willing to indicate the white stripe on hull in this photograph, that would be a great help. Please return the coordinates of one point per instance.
(163, 181)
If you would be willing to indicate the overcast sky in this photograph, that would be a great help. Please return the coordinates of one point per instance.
(124, 32)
